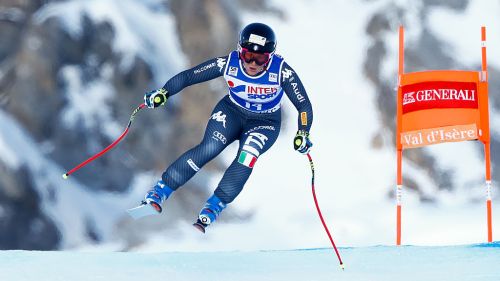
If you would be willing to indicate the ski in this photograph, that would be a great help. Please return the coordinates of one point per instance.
(143, 210)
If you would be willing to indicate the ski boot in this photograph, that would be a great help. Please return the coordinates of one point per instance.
(209, 213)
(158, 195)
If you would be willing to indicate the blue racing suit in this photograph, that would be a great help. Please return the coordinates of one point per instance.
(250, 113)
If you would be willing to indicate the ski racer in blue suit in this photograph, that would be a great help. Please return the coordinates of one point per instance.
(257, 78)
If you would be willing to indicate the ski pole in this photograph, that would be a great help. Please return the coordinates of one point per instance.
(319, 212)
(132, 117)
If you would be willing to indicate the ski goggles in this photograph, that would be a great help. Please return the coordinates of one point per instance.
(259, 59)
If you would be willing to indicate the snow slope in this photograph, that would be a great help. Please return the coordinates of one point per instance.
(477, 262)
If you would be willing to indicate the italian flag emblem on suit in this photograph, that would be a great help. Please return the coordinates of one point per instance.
(247, 159)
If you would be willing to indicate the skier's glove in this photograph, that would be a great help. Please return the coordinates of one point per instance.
(155, 98)
(301, 142)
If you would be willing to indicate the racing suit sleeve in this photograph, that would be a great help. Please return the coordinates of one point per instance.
(294, 89)
(208, 70)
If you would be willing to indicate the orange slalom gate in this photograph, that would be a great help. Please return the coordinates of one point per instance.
(442, 106)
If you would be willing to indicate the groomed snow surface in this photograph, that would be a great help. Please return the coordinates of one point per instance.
(352, 179)
(479, 262)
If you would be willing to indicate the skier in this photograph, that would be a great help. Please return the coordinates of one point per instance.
(256, 77)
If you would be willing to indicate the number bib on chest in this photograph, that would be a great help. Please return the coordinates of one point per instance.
(262, 93)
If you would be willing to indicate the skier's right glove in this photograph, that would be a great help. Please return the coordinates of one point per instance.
(301, 142)
(155, 98)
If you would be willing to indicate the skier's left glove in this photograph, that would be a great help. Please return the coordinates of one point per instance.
(155, 98)
(301, 142)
